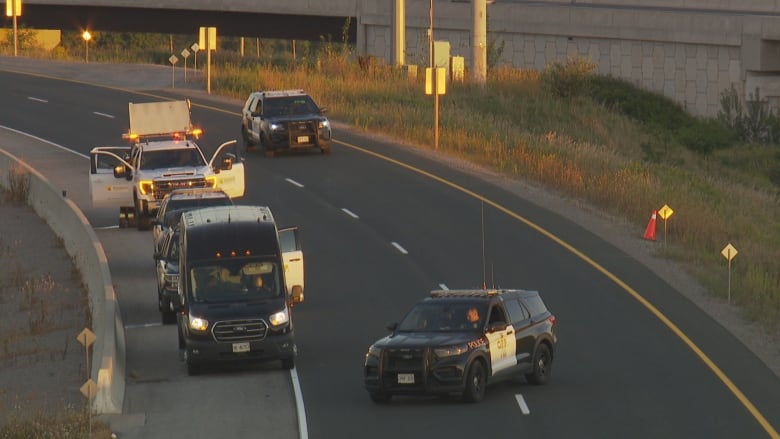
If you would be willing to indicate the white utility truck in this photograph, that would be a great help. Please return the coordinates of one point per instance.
(162, 156)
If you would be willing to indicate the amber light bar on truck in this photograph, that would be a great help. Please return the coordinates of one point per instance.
(178, 135)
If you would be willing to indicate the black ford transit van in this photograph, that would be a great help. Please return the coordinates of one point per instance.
(234, 286)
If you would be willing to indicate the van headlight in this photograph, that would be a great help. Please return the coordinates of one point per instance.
(198, 323)
(280, 318)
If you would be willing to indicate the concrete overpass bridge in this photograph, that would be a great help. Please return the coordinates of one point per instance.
(689, 50)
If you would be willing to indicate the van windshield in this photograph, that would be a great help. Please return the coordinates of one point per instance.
(232, 280)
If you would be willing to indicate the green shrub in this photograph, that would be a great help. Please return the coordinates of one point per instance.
(706, 135)
(568, 79)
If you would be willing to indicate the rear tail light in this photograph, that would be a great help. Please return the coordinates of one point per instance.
(553, 320)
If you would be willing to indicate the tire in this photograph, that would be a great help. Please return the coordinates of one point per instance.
(247, 141)
(379, 397)
(168, 317)
(325, 149)
(476, 381)
(288, 363)
(142, 221)
(264, 143)
(542, 366)
(193, 368)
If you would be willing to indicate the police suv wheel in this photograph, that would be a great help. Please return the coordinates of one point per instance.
(476, 380)
(542, 366)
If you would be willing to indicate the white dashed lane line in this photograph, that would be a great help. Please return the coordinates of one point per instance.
(108, 116)
(399, 248)
(523, 406)
(293, 182)
(350, 213)
(37, 99)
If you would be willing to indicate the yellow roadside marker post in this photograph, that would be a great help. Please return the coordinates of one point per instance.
(729, 252)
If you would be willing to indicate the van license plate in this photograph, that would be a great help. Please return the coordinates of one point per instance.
(405, 378)
(303, 139)
(240, 347)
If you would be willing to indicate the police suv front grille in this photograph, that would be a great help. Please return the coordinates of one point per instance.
(163, 187)
(404, 361)
(240, 330)
(301, 129)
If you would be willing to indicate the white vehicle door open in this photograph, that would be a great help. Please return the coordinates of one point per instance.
(229, 180)
(292, 256)
(105, 189)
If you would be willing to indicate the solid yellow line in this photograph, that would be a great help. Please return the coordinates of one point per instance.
(677, 331)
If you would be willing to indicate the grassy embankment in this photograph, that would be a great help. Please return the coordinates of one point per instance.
(528, 125)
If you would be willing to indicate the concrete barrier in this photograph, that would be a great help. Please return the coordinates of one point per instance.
(68, 222)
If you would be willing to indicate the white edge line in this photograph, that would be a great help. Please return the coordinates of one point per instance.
(44, 141)
(523, 406)
(350, 213)
(303, 430)
(291, 181)
(400, 249)
(443, 286)
(37, 99)
(110, 116)
(142, 325)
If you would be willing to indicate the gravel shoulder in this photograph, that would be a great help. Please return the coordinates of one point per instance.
(49, 369)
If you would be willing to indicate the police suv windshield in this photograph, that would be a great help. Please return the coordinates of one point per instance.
(232, 280)
(446, 316)
(288, 106)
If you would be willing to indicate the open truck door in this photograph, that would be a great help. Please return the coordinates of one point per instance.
(229, 169)
(110, 177)
(292, 256)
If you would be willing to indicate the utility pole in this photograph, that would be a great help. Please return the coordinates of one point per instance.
(434, 84)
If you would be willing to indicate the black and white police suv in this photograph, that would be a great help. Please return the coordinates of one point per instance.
(284, 120)
(455, 342)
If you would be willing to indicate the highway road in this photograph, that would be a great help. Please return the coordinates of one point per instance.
(381, 226)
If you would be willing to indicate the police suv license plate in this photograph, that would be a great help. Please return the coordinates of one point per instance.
(405, 378)
(240, 347)
(303, 139)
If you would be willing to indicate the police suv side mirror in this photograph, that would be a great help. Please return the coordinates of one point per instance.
(392, 326)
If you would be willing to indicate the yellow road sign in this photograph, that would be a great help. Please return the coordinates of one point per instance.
(89, 389)
(13, 8)
(86, 337)
(729, 252)
(665, 212)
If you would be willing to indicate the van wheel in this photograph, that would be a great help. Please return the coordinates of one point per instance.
(193, 368)
(476, 380)
(168, 317)
(325, 149)
(542, 366)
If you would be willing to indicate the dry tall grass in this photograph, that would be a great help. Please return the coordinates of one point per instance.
(576, 147)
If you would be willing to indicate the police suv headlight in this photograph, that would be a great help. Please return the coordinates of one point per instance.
(451, 351)
(374, 351)
(280, 318)
(198, 323)
(324, 124)
(276, 127)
